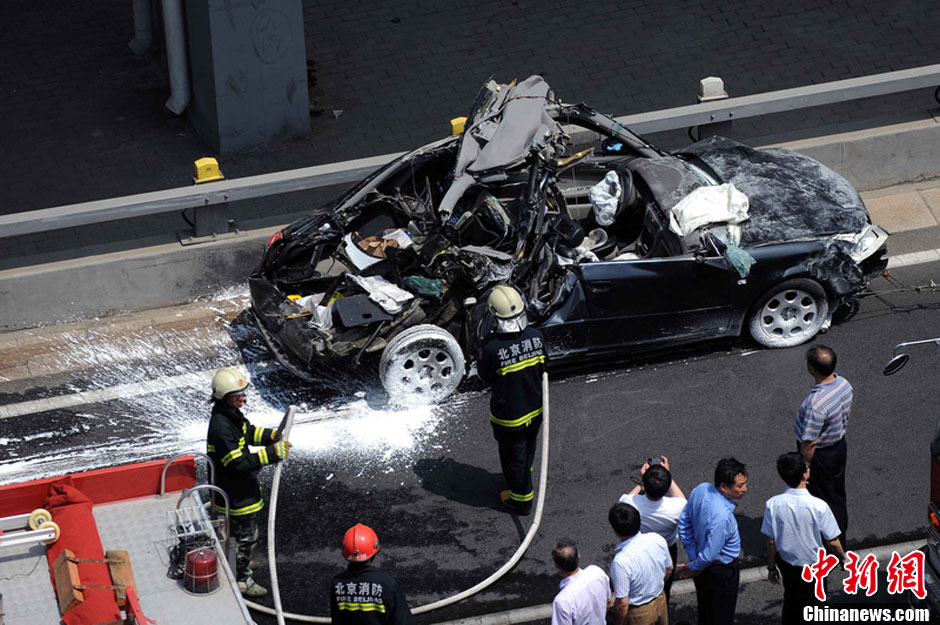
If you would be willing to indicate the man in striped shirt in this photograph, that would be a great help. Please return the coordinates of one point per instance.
(819, 429)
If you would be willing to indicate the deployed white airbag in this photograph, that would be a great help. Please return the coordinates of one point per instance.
(605, 196)
(722, 204)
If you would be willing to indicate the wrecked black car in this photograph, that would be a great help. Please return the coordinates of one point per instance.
(616, 244)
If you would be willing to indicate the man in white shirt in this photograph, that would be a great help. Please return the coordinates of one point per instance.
(660, 503)
(639, 571)
(793, 523)
(582, 598)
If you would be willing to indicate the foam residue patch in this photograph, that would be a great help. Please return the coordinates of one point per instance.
(169, 412)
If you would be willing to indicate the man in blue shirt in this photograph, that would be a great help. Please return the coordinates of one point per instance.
(709, 532)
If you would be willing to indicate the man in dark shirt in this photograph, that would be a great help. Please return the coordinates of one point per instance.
(512, 365)
(363, 594)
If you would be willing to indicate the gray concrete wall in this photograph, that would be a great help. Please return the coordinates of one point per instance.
(879, 157)
(249, 73)
(108, 284)
(172, 274)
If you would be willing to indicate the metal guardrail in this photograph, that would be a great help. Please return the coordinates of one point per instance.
(214, 194)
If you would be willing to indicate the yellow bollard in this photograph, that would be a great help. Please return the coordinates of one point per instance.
(207, 170)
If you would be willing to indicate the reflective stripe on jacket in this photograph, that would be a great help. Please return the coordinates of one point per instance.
(236, 466)
(512, 364)
(365, 595)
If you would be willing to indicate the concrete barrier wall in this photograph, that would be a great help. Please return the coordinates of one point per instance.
(170, 275)
(880, 157)
(143, 279)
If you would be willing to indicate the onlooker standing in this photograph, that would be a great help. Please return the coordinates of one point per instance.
(364, 594)
(709, 532)
(820, 431)
(582, 598)
(639, 571)
(793, 523)
(660, 505)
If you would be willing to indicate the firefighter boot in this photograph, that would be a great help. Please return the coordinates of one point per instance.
(249, 588)
(506, 499)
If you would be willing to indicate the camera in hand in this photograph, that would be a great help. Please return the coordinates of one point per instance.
(654, 460)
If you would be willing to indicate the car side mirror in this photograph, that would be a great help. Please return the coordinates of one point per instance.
(895, 364)
(898, 361)
(712, 245)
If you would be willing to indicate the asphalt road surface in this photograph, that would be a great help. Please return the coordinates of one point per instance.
(427, 478)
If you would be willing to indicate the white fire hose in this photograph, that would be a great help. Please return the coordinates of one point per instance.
(530, 535)
(283, 432)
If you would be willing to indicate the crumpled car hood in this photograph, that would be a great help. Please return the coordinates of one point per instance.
(791, 196)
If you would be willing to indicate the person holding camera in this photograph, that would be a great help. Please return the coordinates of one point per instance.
(660, 502)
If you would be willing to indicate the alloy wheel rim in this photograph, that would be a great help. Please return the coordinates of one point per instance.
(790, 313)
(424, 371)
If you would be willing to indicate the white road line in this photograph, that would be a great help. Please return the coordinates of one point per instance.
(913, 258)
(199, 379)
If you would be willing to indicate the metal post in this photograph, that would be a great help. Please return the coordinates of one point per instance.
(711, 89)
(211, 219)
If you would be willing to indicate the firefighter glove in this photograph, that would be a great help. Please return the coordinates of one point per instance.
(280, 449)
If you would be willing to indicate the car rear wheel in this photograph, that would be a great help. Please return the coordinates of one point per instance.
(423, 363)
(789, 314)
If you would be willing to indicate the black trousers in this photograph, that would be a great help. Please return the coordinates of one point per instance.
(673, 552)
(827, 481)
(516, 454)
(716, 589)
(797, 593)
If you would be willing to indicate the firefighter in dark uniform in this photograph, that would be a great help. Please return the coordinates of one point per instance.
(230, 434)
(363, 594)
(512, 365)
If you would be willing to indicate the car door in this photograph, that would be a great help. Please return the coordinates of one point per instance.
(656, 301)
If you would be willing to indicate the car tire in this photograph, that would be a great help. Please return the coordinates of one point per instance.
(789, 314)
(423, 363)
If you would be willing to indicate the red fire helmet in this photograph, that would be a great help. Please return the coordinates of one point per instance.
(360, 543)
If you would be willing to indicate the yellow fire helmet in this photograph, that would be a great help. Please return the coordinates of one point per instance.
(505, 302)
(227, 382)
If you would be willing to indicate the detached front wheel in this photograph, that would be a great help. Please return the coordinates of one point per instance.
(789, 314)
(423, 363)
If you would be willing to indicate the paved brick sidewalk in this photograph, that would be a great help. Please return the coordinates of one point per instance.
(82, 118)
(26, 354)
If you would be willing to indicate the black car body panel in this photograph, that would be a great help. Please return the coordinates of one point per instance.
(501, 204)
